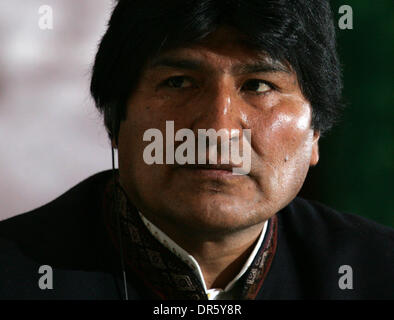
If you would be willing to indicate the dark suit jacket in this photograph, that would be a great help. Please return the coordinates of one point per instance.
(313, 243)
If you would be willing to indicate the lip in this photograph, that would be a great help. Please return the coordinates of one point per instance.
(215, 171)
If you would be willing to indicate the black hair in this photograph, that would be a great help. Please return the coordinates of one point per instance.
(298, 32)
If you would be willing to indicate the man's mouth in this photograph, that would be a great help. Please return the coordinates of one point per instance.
(215, 171)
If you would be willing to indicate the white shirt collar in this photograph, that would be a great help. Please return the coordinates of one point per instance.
(192, 262)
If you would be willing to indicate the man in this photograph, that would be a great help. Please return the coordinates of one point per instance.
(168, 229)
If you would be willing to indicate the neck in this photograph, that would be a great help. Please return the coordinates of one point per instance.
(219, 257)
(221, 261)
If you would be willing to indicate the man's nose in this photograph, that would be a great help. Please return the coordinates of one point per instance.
(218, 108)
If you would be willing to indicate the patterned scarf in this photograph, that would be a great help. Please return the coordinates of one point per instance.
(165, 274)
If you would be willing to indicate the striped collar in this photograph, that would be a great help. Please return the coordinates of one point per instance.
(213, 294)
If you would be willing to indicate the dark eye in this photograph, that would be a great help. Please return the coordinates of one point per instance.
(179, 82)
(256, 85)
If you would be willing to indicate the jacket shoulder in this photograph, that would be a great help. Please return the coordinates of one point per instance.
(319, 219)
(318, 247)
(73, 200)
(65, 223)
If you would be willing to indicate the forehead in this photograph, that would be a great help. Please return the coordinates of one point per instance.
(224, 48)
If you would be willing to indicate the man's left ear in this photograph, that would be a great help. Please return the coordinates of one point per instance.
(315, 149)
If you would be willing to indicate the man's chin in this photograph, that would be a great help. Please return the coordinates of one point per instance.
(216, 217)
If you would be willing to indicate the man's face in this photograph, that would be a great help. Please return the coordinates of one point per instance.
(218, 83)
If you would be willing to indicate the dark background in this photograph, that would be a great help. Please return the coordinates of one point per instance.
(356, 168)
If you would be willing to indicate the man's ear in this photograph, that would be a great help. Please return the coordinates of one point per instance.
(315, 149)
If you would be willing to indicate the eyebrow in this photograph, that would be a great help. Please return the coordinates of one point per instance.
(188, 64)
(261, 66)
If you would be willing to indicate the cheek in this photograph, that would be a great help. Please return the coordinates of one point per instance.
(282, 145)
(292, 134)
(283, 132)
(144, 112)
(282, 159)
(131, 132)
(150, 112)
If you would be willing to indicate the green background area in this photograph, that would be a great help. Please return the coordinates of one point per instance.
(356, 168)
